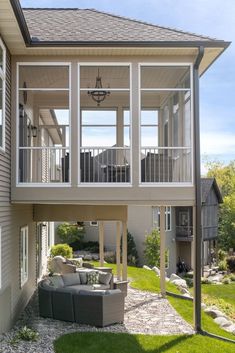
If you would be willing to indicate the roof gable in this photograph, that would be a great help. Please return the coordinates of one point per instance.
(206, 185)
(60, 25)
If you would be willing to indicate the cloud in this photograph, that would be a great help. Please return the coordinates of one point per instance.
(216, 143)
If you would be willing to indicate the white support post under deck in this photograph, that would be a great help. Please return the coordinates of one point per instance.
(162, 251)
(124, 251)
(118, 237)
(101, 243)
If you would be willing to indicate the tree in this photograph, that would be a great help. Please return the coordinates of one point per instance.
(69, 233)
(152, 248)
(132, 254)
(225, 177)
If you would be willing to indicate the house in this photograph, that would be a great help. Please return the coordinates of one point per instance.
(178, 227)
(77, 85)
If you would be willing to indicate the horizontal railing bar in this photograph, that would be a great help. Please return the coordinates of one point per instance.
(44, 148)
(52, 126)
(105, 89)
(105, 148)
(44, 89)
(166, 89)
(165, 148)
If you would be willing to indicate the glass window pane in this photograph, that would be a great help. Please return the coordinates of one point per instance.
(126, 136)
(105, 76)
(149, 117)
(44, 76)
(99, 117)
(126, 117)
(98, 136)
(149, 136)
(165, 77)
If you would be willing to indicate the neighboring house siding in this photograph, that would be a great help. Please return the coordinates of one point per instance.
(140, 223)
(12, 217)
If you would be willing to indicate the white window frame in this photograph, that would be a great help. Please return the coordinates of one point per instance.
(0, 257)
(100, 64)
(140, 90)
(18, 89)
(3, 78)
(24, 255)
(156, 222)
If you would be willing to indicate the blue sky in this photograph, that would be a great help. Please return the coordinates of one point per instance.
(214, 18)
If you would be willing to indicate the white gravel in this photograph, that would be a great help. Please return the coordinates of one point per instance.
(145, 313)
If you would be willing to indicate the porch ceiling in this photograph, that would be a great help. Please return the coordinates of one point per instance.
(81, 213)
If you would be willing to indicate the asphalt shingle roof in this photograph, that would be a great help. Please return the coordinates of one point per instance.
(90, 25)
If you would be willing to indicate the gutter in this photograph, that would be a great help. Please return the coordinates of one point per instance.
(15, 4)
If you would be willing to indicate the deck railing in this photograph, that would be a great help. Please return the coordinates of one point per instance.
(105, 165)
(166, 165)
(43, 165)
(184, 231)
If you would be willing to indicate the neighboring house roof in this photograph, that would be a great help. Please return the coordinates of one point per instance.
(50, 25)
(206, 185)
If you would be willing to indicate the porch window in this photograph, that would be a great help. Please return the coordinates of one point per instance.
(43, 123)
(165, 151)
(24, 255)
(104, 146)
(2, 94)
(156, 218)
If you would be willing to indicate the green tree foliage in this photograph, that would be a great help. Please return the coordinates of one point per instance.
(152, 248)
(225, 177)
(70, 233)
(132, 254)
(62, 249)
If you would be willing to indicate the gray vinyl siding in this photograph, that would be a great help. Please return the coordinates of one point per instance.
(12, 217)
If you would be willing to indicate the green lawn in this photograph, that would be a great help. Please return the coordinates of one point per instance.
(224, 291)
(94, 342)
(87, 342)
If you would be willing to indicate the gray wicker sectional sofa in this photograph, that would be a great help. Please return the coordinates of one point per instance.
(84, 297)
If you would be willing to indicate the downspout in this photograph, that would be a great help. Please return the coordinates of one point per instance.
(197, 182)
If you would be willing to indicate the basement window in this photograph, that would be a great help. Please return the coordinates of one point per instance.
(24, 249)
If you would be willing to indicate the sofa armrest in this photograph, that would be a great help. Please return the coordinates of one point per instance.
(68, 268)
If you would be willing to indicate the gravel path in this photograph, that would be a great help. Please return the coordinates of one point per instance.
(145, 313)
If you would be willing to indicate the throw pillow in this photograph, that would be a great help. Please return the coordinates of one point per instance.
(104, 277)
(83, 277)
(56, 281)
(71, 279)
(93, 277)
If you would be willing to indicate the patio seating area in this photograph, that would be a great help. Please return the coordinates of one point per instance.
(145, 313)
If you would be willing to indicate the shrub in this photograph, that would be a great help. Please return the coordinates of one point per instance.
(231, 263)
(189, 282)
(69, 233)
(222, 265)
(221, 254)
(226, 281)
(152, 248)
(91, 246)
(232, 278)
(62, 249)
(132, 254)
(27, 334)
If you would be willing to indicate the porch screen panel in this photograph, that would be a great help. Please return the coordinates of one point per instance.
(44, 124)
(104, 95)
(168, 157)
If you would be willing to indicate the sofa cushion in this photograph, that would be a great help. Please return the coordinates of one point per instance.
(56, 281)
(93, 277)
(79, 287)
(71, 279)
(101, 286)
(83, 277)
(105, 277)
